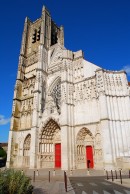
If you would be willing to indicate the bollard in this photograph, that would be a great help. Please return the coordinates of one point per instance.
(120, 177)
(129, 173)
(116, 174)
(112, 175)
(104, 171)
(107, 174)
(34, 176)
(54, 172)
(65, 181)
(71, 172)
(88, 172)
(49, 176)
(37, 173)
(64, 176)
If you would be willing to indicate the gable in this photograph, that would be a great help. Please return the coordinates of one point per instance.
(55, 56)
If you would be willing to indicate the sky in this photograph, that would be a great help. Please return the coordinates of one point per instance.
(101, 28)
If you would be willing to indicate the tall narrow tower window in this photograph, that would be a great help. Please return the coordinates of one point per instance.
(34, 36)
(54, 30)
(38, 34)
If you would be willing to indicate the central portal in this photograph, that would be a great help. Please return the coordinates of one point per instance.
(89, 156)
(58, 155)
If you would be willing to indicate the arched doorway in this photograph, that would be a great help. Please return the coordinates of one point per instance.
(84, 147)
(26, 151)
(50, 146)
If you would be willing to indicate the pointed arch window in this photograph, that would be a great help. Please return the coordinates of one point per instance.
(26, 146)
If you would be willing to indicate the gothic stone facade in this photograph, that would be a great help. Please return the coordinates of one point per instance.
(67, 112)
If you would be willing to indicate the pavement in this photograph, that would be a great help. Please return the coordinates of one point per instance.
(50, 181)
(98, 185)
(45, 185)
(79, 182)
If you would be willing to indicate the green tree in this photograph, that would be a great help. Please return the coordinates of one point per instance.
(2, 153)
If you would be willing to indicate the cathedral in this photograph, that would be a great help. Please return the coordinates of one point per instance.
(67, 113)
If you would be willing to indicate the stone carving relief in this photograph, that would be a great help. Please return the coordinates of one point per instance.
(98, 155)
(85, 90)
(43, 99)
(113, 83)
(28, 87)
(57, 136)
(56, 57)
(82, 135)
(78, 70)
(26, 151)
(31, 59)
(56, 95)
(50, 132)
(63, 91)
(98, 147)
(49, 135)
(100, 82)
(88, 140)
(26, 113)
(84, 138)
(26, 146)
(47, 158)
(80, 153)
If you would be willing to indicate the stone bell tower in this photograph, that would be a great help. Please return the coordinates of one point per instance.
(29, 92)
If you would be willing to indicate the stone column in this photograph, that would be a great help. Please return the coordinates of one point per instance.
(66, 114)
(9, 149)
(104, 120)
(107, 144)
(38, 102)
(24, 36)
(33, 148)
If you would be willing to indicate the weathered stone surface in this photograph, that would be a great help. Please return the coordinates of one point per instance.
(60, 98)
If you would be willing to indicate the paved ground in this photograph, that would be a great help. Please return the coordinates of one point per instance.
(97, 185)
(56, 185)
(79, 182)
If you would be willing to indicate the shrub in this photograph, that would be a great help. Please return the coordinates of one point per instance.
(15, 182)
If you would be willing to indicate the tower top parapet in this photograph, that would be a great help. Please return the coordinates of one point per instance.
(42, 31)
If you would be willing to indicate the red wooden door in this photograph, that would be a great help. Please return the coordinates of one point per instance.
(89, 156)
(58, 155)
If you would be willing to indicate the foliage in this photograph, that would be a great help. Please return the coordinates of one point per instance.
(2, 153)
(15, 182)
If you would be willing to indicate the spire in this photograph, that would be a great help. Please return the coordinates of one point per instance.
(44, 9)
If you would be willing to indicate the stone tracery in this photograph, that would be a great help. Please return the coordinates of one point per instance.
(55, 93)
(49, 135)
(84, 138)
(26, 150)
(26, 146)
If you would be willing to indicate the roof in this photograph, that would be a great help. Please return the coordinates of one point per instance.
(3, 144)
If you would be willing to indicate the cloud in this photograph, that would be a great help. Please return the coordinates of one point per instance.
(3, 120)
(127, 69)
